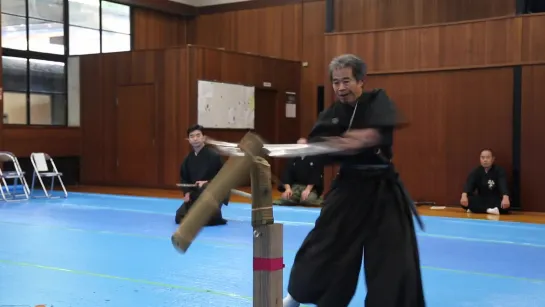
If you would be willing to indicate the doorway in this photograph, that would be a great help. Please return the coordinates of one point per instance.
(136, 144)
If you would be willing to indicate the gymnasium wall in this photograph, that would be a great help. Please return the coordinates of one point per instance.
(294, 29)
(464, 56)
(455, 82)
(136, 107)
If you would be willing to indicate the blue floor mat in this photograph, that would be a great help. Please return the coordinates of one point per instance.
(94, 250)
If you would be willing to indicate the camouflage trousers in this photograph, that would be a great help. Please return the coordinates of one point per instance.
(313, 199)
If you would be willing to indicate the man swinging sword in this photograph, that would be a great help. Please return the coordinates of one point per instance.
(367, 207)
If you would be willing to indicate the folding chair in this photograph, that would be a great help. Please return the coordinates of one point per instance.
(41, 170)
(17, 175)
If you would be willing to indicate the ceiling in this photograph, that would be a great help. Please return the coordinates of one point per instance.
(207, 2)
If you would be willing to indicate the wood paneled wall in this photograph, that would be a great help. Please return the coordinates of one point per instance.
(453, 115)
(295, 29)
(102, 76)
(455, 83)
(115, 139)
(157, 30)
(533, 128)
(475, 44)
(292, 31)
(56, 141)
(357, 15)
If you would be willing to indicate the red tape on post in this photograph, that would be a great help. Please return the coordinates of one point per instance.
(268, 264)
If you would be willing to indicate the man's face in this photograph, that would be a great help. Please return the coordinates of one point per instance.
(345, 85)
(196, 138)
(486, 159)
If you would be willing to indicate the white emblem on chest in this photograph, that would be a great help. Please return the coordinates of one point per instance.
(491, 184)
(335, 120)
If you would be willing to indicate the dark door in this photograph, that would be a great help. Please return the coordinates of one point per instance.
(136, 140)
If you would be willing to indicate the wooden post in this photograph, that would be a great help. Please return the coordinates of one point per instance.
(268, 249)
(268, 261)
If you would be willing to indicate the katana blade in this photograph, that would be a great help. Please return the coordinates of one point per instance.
(277, 150)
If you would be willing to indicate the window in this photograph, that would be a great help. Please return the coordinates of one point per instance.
(14, 24)
(98, 26)
(33, 25)
(14, 75)
(34, 91)
(84, 41)
(14, 32)
(116, 27)
(37, 38)
(84, 30)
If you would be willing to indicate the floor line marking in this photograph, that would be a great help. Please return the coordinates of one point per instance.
(303, 209)
(128, 279)
(224, 293)
(534, 280)
(419, 234)
(213, 242)
(245, 207)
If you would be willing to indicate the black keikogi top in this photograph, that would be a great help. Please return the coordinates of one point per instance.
(304, 171)
(201, 166)
(373, 110)
(491, 185)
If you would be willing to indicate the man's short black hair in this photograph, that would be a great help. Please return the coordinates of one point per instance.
(194, 128)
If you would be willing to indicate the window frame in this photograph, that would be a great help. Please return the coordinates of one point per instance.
(63, 58)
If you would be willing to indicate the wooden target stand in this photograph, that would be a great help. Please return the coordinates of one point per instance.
(268, 251)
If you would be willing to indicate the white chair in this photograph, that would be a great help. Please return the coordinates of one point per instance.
(17, 175)
(42, 170)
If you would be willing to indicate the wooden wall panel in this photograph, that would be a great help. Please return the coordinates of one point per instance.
(56, 141)
(291, 31)
(480, 43)
(296, 31)
(312, 76)
(92, 110)
(103, 74)
(156, 30)
(532, 145)
(273, 31)
(174, 73)
(533, 44)
(453, 115)
(357, 15)
(238, 68)
(435, 153)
